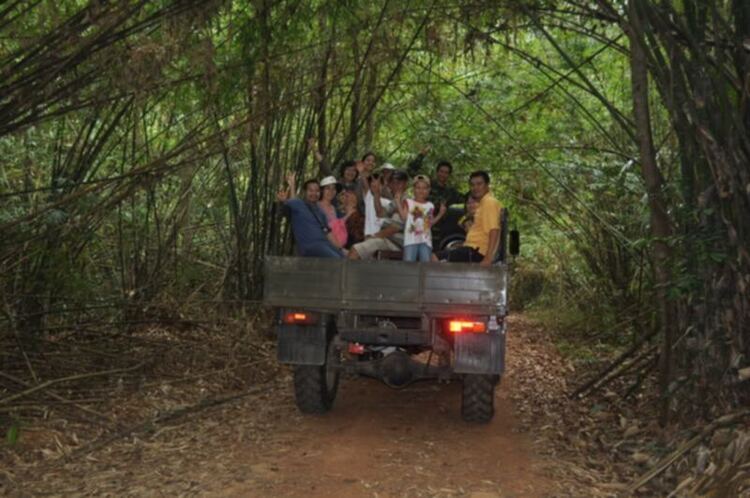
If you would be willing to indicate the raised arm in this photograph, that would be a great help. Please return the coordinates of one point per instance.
(415, 165)
(401, 205)
(291, 180)
(323, 165)
(376, 188)
(363, 177)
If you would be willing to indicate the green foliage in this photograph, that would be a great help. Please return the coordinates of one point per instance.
(143, 143)
(250, 74)
(13, 433)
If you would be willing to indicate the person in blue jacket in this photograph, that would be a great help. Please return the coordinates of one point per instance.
(309, 224)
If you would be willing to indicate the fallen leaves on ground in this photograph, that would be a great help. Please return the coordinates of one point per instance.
(603, 443)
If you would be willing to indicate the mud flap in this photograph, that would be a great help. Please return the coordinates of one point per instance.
(301, 344)
(480, 353)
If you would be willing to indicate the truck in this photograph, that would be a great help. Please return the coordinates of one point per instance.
(399, 322)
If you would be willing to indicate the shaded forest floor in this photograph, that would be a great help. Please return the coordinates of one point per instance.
(211, 413)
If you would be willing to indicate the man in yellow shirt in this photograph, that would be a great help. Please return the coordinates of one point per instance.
(483, 238)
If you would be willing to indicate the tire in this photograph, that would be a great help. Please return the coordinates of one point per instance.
(452, 242)
(315, 386)
(478, 398)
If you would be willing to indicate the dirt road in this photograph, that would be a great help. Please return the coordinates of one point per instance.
(376, 442)
(382, 442)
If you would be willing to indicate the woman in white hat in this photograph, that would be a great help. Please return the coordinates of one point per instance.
(386, 171)
(329, 188)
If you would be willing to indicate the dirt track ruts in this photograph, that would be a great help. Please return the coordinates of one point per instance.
(382, 442)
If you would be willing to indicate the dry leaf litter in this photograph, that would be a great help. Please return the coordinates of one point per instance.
(173, 426)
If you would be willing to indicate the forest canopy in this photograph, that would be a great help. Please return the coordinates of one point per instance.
(142, 144)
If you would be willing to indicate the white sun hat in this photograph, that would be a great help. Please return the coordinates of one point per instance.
(330, 180)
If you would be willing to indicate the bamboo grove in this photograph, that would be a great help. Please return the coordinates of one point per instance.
(143, 142)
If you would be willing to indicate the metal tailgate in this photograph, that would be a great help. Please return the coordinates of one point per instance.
(384, 286)
(302, 282)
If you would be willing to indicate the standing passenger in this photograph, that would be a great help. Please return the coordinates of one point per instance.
(442, 191)
(419, 214)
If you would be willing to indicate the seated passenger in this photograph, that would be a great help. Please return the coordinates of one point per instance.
(348, 174)
(311, 233)
(467, 220)
(355, 220)
(390, 236)
(386, 171)
(483, 237)
(336, 222)
(370, 186)
(347, 171)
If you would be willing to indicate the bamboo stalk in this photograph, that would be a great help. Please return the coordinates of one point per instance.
(692, 443)
(48, 383)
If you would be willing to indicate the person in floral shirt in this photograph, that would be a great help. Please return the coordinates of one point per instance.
(419, 214)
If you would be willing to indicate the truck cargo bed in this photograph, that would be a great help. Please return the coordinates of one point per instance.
(387, 287)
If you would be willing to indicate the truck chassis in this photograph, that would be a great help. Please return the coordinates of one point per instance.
(389, 320)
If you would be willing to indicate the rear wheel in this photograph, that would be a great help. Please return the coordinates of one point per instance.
(452, 242)
(478, 398)
(315, 386)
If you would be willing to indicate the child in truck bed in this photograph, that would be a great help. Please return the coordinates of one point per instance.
(419, 214)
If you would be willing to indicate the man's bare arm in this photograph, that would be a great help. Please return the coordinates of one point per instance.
(386, 232)
(376, 188)
(492, 247)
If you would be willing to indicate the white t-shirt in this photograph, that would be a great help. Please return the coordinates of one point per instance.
(372, 221)
(418, 223)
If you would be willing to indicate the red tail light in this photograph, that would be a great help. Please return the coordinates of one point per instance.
(462, 326)
(300, 318)
(356, 348)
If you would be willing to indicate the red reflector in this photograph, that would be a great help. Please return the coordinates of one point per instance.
(297, 317)
(356, 348)
(460, 326)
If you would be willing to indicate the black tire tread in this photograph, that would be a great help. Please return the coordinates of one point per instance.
(478, 398)
(309, 389)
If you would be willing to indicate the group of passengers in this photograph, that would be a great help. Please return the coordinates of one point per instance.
(369, 210)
